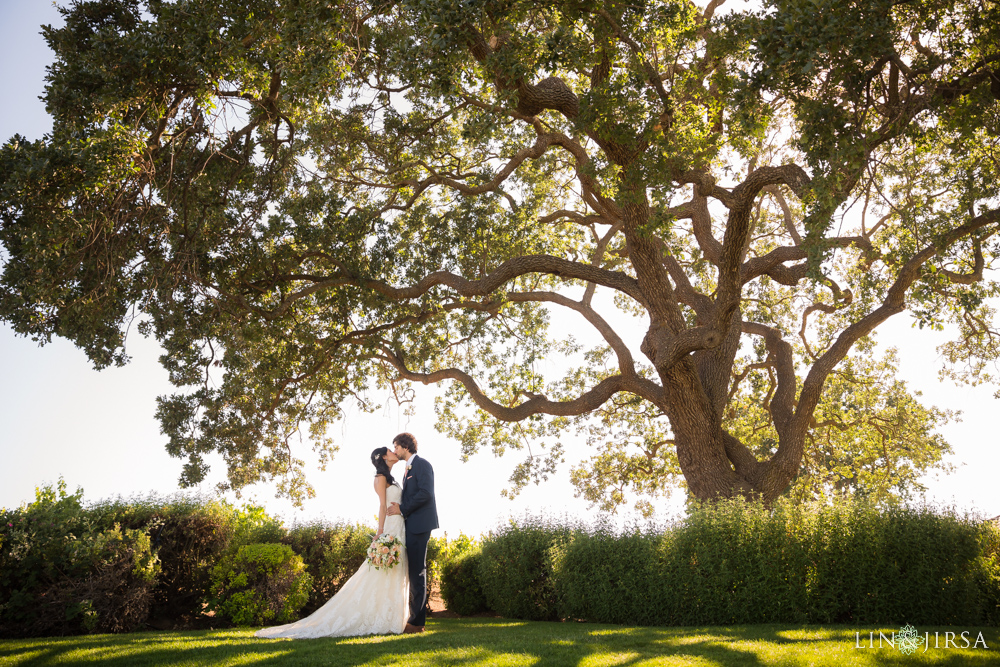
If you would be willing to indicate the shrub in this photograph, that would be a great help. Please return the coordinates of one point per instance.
(515, 569)
(460, 588)
(190, 534)
(114, 596)
(441, 550)
(878, 565)
(457, 566)
(251, 524)
(989, 572)
(260, 584)
(603, 577)
(332, 554)
(60, 574)
(436, 549)
(736, 562)
(461, 545)
(739, 562)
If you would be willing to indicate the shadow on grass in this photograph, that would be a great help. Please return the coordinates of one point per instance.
(473, 642)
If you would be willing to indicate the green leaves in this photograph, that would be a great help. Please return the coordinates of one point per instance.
(870, 436)
(315, 203)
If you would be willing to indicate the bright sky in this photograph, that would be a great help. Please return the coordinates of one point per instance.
(58, 416)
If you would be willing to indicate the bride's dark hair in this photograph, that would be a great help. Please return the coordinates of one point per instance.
(381, 467)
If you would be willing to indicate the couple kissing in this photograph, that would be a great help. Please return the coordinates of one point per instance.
(384, 597)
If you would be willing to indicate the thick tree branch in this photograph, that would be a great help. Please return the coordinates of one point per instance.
(586, 402)
(772, 264)
(783, 359)
(894, 302)
(509, 270)
(577, 217)
(688, 295)
(705, 185)
(791, 175)
(626, 363)
(738, 229)
(701, 225)
(506, 272)
(746, 465)
(551, 93)
(977, 271)
(665, 348)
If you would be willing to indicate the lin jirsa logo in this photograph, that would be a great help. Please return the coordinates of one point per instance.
(908, 640)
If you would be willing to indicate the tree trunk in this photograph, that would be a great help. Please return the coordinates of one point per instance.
(715, 463)
(701, 441)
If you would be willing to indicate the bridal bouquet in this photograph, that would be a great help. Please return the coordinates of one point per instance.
(385, 552)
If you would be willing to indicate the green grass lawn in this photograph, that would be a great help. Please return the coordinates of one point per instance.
(473, 642)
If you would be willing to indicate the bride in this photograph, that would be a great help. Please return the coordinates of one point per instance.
(372, 601)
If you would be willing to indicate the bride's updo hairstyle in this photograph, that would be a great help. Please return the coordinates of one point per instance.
(381, 467)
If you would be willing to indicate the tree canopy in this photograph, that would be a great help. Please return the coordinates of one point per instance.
(308, 202)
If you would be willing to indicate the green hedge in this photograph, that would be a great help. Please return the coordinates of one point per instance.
(599, 574)
(56, 579)
(189, 536)
(989, 573)
(66, 568)
(917, 565)
(516, 569)
(739, 563)
(459, 562)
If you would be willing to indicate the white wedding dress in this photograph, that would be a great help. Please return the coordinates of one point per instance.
(372, 602)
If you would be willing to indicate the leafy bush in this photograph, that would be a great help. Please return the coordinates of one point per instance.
(61, 574)
(516, 572)
(460, 588)
(877, 565)
(989, 572)
(436, 548)
(115, 596)
(332, 554)
(736, 562)
(260, 584)
(608, 578)
(189, 534)
(461, 545)
(251, 524)
(67, 569)
(457, 566)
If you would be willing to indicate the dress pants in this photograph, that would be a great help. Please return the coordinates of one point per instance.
(416, 554)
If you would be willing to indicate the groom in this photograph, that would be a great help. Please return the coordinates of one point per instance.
(418, 507)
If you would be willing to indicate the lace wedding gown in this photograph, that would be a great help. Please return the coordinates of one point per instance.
(371, 602)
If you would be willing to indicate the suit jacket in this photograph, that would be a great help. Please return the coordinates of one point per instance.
(417, 504)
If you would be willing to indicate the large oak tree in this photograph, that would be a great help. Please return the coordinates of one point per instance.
(308, 200)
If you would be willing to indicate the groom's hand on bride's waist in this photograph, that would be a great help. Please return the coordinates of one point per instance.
(393, 509)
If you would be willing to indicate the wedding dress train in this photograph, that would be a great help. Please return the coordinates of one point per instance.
(371, 602)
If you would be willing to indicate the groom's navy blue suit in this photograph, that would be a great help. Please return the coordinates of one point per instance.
(418, 507)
